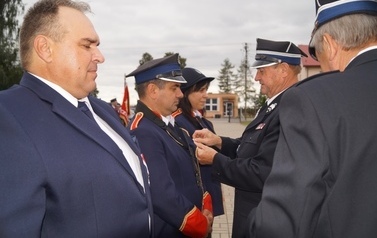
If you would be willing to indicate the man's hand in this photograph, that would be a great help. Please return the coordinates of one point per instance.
(204, 154)
(206, 137)
(209, 217)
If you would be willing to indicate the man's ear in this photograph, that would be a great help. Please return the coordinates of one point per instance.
(152, 90)
(330, 46)
(284, 67)
(42, 46)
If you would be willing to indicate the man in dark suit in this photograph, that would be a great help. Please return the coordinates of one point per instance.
(63, 174)
(182, 206)
(245, 163)
(323, 179)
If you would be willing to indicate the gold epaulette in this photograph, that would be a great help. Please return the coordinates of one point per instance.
(176, 113)
(136, 120)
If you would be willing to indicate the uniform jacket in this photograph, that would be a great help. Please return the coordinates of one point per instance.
(60, 174)
(323, 181)
(213, 186)
(176, 194)
(245, 163)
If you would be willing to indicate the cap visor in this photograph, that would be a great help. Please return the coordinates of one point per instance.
(176, 79)
(209, 79)
(262, 63)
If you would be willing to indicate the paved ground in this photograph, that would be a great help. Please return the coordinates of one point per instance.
(222, 227)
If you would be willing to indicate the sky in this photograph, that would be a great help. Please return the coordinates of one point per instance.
(205, 32)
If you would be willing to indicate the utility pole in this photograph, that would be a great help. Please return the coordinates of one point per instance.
(246, 47)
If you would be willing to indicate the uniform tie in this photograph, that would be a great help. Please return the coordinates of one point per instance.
(171, 126)
(84, 108)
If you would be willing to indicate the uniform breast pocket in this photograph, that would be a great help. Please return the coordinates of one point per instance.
(249, 143)
(252, 137)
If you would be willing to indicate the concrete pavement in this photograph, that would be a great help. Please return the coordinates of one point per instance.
(222, 226)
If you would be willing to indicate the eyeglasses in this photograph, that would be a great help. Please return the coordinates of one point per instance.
(170, 74)
(312, 52)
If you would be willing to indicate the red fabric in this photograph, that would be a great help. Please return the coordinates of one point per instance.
(195, 224)
(124, 110)
(207, 202)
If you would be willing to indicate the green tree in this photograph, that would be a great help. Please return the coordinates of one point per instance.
(182, 61)
(244, 85)
(10, 67)
(145, 58)
(227, 77)
(259, 100)
(95, 93)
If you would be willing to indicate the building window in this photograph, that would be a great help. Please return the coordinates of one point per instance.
(211, 104)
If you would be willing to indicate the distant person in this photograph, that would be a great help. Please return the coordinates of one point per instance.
(189, 116)
(123, 116)
(323, 180)
(63, 174)
(114, 104)
(182, 206)
(245, 163)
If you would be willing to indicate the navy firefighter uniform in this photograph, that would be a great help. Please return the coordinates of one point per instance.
(246, 162)
(213, 186)
(178, 195)
(196, 121)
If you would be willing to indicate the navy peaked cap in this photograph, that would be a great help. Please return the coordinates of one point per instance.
(167, 69)
(328, 10)
(273, 52)
(193, 76)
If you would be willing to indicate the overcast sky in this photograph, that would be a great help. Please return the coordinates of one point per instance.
(204, 31)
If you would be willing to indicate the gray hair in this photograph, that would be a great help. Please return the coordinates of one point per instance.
(350, 31)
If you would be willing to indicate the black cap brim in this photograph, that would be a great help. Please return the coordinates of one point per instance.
(262, 63)
(175, 79)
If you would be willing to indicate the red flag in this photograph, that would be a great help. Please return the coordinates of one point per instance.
(124, 110)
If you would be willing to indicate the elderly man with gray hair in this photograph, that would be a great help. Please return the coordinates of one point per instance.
(323, 179)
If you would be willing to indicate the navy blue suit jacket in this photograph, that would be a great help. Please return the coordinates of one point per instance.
(245, 163)
(62, 176)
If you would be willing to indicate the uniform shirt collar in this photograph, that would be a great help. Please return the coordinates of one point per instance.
(363, 51)
(168, 119)
(196, 113)
(273, 98)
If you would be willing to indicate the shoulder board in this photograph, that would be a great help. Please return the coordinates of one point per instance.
(136, 120)
(316, 76)
(176, 113)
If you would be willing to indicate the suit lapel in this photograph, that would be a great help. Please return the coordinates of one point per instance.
(116, 126)
(264, 113)
(94, 132)
(258, 119)
(64, 109)
(123, 132)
